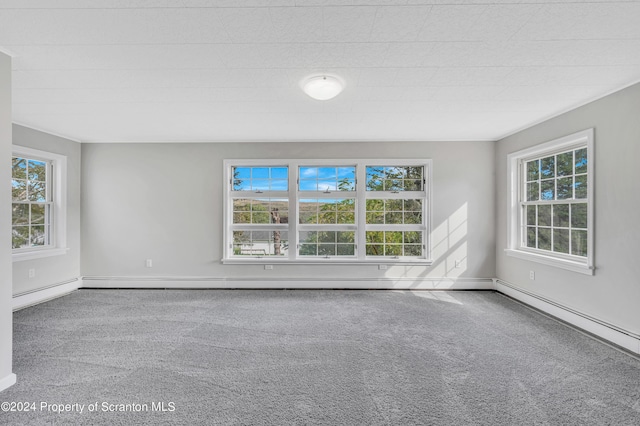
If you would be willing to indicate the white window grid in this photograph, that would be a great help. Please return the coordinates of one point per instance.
(518, 202)
(332, 197)
(259, 195)
(47, 204)
(56, 202)
(541, 201)
(360, 195)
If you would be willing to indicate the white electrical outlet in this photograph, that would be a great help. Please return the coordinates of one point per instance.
(32, 273)
(382, 267)
(148, 263)
(458, 263)
(532, 275)
(268, 267)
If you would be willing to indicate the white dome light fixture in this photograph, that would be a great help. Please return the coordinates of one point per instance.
(322, 87)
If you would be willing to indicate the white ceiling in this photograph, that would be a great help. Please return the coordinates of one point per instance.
(229, 70)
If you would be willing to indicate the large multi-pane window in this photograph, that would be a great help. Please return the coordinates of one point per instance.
(38, 203)
(324, 210)
(552, 213)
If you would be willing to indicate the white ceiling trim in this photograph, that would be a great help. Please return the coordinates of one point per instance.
(564, 111)
(7, 52)
(49, 132)
(295, 141)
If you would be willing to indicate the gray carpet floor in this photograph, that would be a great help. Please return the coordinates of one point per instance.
(312, 357)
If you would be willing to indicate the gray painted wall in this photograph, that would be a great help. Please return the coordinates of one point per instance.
(6, 318)
(164, 202)
(55, 269)
(613, 293)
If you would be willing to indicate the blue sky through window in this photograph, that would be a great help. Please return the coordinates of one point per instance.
(327, 178)
(260, 178)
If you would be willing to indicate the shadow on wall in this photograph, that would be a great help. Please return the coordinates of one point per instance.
(449, 249)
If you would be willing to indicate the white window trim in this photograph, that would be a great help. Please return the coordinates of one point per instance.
(58, 240)
(293, 165)
(514, 188)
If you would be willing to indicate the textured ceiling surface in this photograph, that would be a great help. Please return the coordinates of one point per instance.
(205, 70)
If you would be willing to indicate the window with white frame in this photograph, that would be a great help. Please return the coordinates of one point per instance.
(38, 203)
(395, 210)
(260, 207)
(551, 205)
(327, 211)
(326, 205)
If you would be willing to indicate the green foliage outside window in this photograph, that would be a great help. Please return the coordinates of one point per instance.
(556, 207)
(390, 178)
(30, 206)
(332, 211)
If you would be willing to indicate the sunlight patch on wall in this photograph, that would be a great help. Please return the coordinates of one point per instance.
(441, 296)
(450, 245)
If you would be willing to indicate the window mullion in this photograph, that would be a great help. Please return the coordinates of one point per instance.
(294, 238)
(361, 210)
(333, 195)
(524, 200)
(327, 227)
(51, 183)
(395, 227)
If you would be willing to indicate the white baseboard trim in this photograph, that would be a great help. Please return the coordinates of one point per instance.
(7, 382)
(606, 331)
(401, 283)
(33, 297)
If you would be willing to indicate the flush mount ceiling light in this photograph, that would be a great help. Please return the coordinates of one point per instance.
(322, 87)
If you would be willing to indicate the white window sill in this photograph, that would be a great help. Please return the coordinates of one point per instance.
(569, 265)
(37, 254)
(321, 261)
